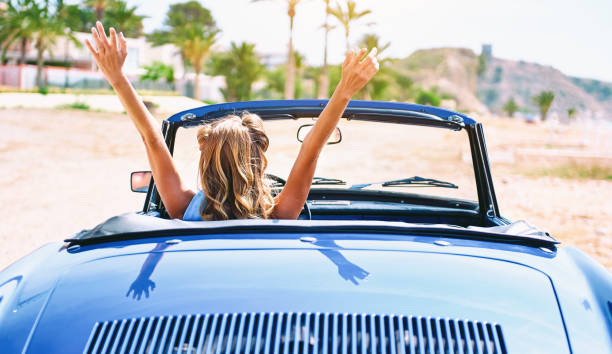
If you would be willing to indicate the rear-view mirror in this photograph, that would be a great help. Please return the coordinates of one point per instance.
(139, 181)
(335, 137)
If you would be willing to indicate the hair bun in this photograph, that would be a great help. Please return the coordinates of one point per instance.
(256, 129)
(203, 134)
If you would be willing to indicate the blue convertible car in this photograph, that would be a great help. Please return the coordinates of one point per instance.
(385, 260)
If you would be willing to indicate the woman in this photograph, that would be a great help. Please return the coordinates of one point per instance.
(232, 160)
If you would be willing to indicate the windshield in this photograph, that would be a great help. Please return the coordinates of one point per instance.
(369, 155)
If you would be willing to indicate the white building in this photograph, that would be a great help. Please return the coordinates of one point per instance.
(84, 73)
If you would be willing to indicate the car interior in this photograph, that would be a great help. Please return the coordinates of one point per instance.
(373, 171)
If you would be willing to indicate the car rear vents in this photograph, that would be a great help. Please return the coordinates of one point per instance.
(295, 333)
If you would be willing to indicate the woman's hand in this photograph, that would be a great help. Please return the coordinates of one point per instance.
(356, 72)
(109, 56)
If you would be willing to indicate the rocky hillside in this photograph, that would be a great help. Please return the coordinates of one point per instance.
(505, 79)
(454, 71)
(450, 71)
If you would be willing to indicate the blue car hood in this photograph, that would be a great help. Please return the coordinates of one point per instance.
(327, 276)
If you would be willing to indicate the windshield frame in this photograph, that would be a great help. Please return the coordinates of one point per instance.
(383, 112)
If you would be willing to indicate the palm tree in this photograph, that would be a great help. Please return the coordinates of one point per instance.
(290, 73)
(510, 107)
(80, 18)
(372, 40)
(16, 26)
(544, 100)
(324, 78)
(117, 13)
(346, 18)
(41, 22)
(99, 7)
(50, 25)
(124, 18)
(241, 67)
(190, 27)
(300, 63)
(196, 47)
(571, 112)
(375, 89)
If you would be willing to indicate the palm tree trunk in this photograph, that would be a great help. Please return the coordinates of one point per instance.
(39, 64)
(100, 13)
(196, 84)
(348, 44)
(324, 78)
(290, 74)
(22, 50)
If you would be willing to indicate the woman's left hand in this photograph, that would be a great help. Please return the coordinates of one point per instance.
(356, 72)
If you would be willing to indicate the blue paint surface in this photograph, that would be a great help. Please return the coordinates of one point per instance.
(62, 294)
(316, 106)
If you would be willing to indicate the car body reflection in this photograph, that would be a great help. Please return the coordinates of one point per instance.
(348, 270)
(143, 285)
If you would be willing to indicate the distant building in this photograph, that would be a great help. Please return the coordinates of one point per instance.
(487, 51)
(271, 60)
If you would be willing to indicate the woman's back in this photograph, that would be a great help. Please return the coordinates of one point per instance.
(192, 213)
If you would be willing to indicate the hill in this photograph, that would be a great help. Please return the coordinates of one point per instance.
(454, 71)
(505, 79)
(451, 71)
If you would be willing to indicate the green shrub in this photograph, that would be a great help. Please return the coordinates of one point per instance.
(489, 97)
(158, 70)
(428, 98)
(75, 105)
(482, 65)
(497, 75)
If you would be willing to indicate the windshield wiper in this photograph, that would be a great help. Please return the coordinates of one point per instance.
(322, 180)
(411, 181)
(416, 180)
(280, 182)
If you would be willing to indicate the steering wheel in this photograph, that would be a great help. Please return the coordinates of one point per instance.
(280, 182)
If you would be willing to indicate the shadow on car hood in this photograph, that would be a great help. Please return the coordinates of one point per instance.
(336, 277)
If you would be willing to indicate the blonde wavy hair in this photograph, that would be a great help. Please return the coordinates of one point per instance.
(231, 169)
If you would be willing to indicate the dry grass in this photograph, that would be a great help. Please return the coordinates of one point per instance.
(573, 170)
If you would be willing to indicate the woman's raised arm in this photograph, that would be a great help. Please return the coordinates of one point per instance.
(356, 72)
(110, 56)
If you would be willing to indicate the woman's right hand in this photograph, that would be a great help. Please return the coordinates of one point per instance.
(108, 56)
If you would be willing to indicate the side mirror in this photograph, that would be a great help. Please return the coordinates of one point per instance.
(139, 181)
(335, 137)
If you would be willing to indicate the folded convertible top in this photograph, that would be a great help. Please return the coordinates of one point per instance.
(138, 225)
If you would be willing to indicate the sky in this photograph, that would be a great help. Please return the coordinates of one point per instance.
(574, 36)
